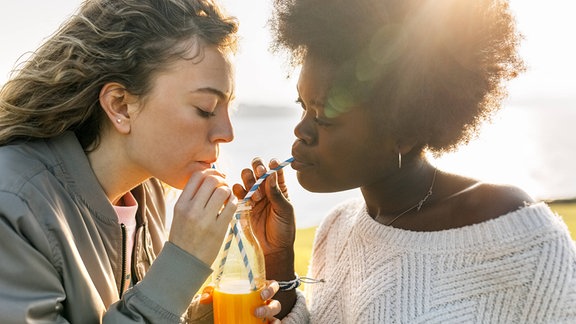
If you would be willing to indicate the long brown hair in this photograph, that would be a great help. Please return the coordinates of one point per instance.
(124, 41)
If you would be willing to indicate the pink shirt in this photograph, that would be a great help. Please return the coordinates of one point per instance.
(127, 216)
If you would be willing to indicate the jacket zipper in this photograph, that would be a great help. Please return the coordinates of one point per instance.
(122, 279)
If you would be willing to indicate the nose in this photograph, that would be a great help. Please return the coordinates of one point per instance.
(305, 130)
(223, 131)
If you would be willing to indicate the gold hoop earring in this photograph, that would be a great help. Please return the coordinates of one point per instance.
(399, 160)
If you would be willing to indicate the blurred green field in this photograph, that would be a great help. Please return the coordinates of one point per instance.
(305, 236)
(568, 212)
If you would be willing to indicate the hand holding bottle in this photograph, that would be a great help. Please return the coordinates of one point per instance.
(202, 214)
(273, 220)
(273, 223)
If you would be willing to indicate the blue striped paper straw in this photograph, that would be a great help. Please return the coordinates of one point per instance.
(234, 229)
(264, 176)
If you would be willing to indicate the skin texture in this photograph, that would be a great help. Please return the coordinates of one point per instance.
(386, 80)
(173, 133)
(353, 151)
(334, 154)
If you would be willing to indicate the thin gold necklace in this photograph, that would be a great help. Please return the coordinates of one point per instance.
(418, 206)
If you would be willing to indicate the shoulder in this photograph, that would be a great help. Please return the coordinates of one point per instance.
(19, 164)
(499, 198)
(488, 201)
(340, 217)
(342, 212)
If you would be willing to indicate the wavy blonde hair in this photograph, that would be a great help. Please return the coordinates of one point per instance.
(124, 41)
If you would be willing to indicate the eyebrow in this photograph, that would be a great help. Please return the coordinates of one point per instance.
(218, 93)
(313, 102)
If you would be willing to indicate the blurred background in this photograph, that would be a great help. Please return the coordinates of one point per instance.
(531, 143)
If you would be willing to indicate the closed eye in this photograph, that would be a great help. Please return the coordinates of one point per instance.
(301, 103)
(317, 120)
(321, 122)
(205, 114)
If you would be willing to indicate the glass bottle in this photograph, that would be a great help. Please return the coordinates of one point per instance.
(240, 273)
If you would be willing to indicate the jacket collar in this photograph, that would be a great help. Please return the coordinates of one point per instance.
(76, 172)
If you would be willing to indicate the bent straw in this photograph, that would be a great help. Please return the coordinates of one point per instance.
(234, 229)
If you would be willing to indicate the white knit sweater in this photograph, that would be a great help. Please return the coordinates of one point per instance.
(518, 268)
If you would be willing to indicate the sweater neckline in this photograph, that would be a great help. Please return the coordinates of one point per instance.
(522, 222)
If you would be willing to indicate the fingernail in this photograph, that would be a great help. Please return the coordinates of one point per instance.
(260, 170)
(272, 180)
(265, 294)
(260, 312)
(205, 298)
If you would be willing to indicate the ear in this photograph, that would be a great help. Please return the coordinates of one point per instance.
(115, 101)
(405, 146)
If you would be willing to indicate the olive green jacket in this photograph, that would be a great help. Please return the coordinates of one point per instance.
(61, 247)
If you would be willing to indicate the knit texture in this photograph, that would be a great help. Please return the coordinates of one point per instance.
(517, 268)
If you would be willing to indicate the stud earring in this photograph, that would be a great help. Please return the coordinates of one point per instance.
(118, 120)
(399, 160)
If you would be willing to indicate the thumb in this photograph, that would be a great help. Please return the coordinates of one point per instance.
(206, 296)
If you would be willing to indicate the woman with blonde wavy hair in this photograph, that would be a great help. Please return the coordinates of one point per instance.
(125, 96)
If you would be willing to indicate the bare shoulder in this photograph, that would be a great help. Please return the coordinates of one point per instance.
(489, 201)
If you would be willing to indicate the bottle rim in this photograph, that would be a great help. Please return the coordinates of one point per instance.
(243, 205)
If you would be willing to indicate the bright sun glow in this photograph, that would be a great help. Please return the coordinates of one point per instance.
(530, 143)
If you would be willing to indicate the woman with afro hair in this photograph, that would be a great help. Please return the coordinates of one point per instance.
(382, 83)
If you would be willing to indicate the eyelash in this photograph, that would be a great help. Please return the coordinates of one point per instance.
(318, 121)
(205, 114)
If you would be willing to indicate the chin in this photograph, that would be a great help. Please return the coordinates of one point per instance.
(316, 185)
(178, 184)
(313, 185)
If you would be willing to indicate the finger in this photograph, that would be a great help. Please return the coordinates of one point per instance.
(239, 191)
(274, 163)
(206, 190)
(195, 181)
(191, 186)
(269, 310)
(270, 290)
(256, 162)
(259, 170)
(206, 296)
(248, 178)
(228, 211)
(274, 192)
(218, 198)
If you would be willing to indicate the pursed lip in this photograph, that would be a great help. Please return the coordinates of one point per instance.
(299, 163)
(208, 163)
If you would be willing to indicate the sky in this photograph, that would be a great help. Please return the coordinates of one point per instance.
(548, 47)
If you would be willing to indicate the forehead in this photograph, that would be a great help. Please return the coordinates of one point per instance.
(315, 78)
(329, 88)
(200, 67)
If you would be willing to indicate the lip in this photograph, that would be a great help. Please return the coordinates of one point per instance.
(206, 164)
(299, 164)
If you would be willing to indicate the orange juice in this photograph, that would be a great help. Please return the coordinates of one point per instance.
(234, 302)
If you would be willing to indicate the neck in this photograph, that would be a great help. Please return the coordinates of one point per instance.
(400, 191)
(112, 169)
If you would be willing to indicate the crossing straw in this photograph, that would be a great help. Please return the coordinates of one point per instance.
(234, 229)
